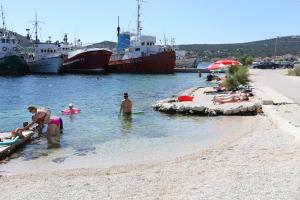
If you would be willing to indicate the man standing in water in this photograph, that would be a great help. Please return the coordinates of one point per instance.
(126, 105)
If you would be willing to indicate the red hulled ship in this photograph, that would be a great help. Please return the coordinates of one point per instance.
(159, 63)
(138, 54)
(84, 60)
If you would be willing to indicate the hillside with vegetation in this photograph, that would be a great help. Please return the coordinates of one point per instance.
(104, 44)
(263, 48)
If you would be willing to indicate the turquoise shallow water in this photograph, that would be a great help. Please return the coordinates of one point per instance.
(97, 136)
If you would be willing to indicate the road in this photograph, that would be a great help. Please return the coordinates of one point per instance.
(278, 80)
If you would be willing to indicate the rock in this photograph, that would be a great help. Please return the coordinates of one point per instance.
(251, 108)
(258, 106)
(243, 109)
(227, 112)
(236, 110)
(166, 107)
(198, 108)
(210, 112)
(157, 106)
(181, 109)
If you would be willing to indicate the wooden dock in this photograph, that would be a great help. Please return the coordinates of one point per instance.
(6, 150)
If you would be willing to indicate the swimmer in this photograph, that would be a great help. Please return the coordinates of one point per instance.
(126, 105)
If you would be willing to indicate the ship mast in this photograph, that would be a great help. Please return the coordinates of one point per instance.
(139, 26)
(36, 24)
(36, 27)
(118, 29)
(3, 20)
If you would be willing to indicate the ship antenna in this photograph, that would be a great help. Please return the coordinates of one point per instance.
(139, 23)
(36, 27)
(118, 29)
(36, 24)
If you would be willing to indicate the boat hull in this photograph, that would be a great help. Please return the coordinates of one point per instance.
(160, 63)
(186, 63)
(13, 66)
(87, 61)
(46, 66)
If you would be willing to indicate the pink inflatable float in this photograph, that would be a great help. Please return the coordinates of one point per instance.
(72, 111)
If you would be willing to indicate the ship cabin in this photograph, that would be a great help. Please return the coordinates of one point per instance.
(144, 46)
(8, 46)
(46, 50)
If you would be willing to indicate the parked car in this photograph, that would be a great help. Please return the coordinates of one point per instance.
(266, 65)
(296, 63)
(286, 64)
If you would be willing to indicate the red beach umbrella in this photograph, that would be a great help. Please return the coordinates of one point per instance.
(228, 62)
(220, 64)
(216, 66)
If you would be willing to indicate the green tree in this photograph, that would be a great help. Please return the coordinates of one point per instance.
(237, 75)
(246, 60)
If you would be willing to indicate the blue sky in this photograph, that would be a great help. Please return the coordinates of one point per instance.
(188, 21)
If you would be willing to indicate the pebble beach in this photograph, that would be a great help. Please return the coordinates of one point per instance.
(261, 160)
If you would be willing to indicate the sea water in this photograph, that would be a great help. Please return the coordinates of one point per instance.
(98, 136)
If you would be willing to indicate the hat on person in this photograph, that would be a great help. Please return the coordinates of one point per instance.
(70, 105)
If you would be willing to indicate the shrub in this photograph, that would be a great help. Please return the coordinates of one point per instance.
(246, 60)
(295, 71)
(237, 75)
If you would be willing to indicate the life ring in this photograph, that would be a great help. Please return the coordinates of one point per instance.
(4, 48)
(15, 48)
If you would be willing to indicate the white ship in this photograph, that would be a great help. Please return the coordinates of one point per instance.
(45, 57)
(11, 59)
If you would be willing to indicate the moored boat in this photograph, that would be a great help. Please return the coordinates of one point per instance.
(11, 60)
(45, 57)
(159, 63)
(141, 54)
(14, 65)
(185, 61)
(84, 60)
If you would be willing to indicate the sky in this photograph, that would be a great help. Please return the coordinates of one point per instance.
(188, 21)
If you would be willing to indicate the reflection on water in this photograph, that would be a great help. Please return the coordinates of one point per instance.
(126, 123)
(98, 136)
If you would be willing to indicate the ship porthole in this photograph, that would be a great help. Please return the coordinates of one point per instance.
(15, 49)
(4, 48)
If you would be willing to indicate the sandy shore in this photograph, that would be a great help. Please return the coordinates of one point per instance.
(260, 161)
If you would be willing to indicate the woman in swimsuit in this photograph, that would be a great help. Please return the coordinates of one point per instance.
(43, 116)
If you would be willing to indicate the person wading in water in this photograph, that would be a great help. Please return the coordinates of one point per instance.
(43, 116)
(126, 106)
